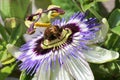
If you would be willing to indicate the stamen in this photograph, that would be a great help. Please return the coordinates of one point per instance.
(38, 24)
(53, 15)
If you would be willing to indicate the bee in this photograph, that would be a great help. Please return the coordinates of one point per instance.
(52, 33)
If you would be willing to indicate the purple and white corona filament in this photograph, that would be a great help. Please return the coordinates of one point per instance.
(61, 41)
(61, 51)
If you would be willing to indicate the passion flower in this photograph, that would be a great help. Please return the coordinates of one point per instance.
(61, 51)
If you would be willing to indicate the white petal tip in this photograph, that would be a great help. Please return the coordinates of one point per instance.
(100, 55)
(104, 20)
(113, 56)
(13, 50)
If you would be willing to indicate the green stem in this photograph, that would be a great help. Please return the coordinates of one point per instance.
(80, 7)
(95, 13)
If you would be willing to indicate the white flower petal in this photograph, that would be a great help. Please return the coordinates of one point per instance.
(55, 68)
(59, 73)
(13, 50)
(44, 71)
(52, 71)
(100, 55)
(101, 34)
(47, 72)
(56, 72)
(63, 75)
(78, 68)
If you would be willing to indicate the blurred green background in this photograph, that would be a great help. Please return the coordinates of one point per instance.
(12, 27)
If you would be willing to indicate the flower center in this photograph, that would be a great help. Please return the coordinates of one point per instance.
(54, 37)
(52, 32)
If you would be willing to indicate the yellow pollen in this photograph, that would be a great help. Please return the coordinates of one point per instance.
(38, 24)
(53, 15)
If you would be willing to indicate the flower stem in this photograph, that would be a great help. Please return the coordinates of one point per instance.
(77, 3)
(95, 13)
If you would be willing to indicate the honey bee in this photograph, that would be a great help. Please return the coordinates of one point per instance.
(52, 32)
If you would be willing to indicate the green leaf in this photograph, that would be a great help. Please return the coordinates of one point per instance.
(118, 64)
(116, 45)
(114, 19)
(86, 4)
(6, 71)
(5, 8)
(99, 71)
(21, 6)
(3, 55)
(116, 30)
(5, 58)
(68, 5)
(8, 60)
(41, 3)
(4, 33)
(24, 76)
(117, 4)
(107, 71)
(17, 33)
(0, 64)
(113, 42)
(14, 8)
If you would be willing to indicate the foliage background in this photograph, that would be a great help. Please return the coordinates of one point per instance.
(12, 27)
